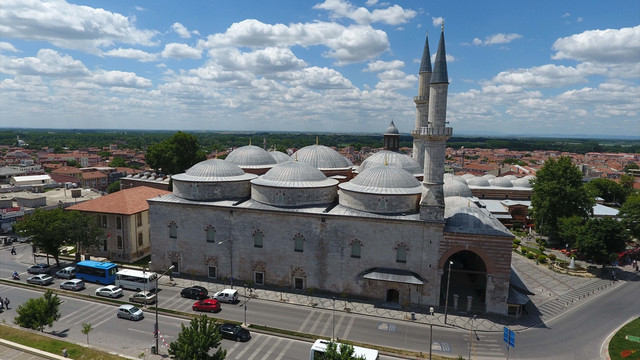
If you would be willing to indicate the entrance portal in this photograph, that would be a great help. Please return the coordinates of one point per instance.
(393, 296)
(468, 281)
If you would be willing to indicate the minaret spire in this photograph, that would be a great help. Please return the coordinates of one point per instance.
(422, 103)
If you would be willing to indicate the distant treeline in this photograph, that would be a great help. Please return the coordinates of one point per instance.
(219, 141)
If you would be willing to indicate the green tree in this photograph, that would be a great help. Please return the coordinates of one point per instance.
(569, 229)
(195, 341)
(118, 162)
(601, 239)
(344, 352)
(609, 190)
(626, 181)
(45, 227)
(558, 192)
(82, 230)
(630, 214)
(36, 313)
(72, 163)
(86, 329)
(113, 187)
(175, 155)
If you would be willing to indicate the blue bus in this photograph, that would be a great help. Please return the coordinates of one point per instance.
(97, 272)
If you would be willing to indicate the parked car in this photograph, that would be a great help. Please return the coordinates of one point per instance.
(67, 273)
(194, 292)
(39, 269)
(143, 297)
(227, 295)
(211, 305)
(130, 312)
(111, 291)
(41, 279)
(73, 284)
(234, 332)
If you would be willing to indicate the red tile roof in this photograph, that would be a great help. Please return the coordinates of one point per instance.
(124, 202)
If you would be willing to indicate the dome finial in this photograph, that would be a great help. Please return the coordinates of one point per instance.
(442, 25)
(317, 143)
(386, 160)
(296, 156)
(249, 141)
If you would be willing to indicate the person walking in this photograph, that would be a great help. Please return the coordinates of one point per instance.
(6, 303)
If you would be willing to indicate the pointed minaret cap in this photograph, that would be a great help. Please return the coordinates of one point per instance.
(439, 74)
(425, 65)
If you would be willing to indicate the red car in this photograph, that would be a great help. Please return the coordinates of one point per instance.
(211, 305)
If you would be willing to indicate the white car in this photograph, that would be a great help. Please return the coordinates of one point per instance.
(111, 291)
(143, 297)
(42, 279)
(130, 312)
(73, 284)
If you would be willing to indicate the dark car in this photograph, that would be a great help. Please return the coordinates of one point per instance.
(194, 292)
(211, 305)
(234, 332)
(39, 269)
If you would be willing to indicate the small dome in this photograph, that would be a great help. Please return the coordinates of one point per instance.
(478, 181)
(321, 157)
(468, 176)
(384, 180)
(510, 177)
(213, 170)
(489, 176)
(454, 187)
(392, 158)
(279, 156)
(522, 182)
(501, 182)
(294, 174)
(392, 129)
(251, 157)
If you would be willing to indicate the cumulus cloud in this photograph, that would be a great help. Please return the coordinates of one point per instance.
(120, 79)
(545, 76)
(437, 21)
(181, 51)
(601, 46)
(5, 46)
(320, 78)
(498, 38)
(393, 15)
(346, 44)
(181, 30)
(395, 80)
(263, 61)
(134, 54)
(69, 26)
(380, 65)
(48, 63)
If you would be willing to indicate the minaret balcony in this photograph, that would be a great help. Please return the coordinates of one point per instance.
(433, 131)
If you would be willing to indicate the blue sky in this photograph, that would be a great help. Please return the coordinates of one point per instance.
(544, 68)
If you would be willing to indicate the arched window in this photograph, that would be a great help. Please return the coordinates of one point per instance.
(401, 254)
(173, 230)
(298, 242)
(356, 249)
(119, 242)
(140, 239)
(211, 234)
(258, 237)
(118, 222)
(104, 221)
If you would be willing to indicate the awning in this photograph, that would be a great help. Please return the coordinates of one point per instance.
(393, 275)
(516, 297)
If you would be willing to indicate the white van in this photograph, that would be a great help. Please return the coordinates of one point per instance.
(67, 273)
(226, 295)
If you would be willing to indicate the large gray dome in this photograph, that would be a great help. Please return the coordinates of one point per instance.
(294, 174)
(478, 181)
(384, 180)
(251, 157)
(321, 157)
(213, 170)
(453, 187)
(392, 158)
(279, 156)
(501, 182)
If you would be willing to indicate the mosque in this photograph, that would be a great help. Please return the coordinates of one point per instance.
(392, 230)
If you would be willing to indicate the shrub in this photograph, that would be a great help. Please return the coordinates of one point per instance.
(517, 241)
(541, 248)
(515, 246)
(523, 251)
(531, 255)
(552, 257)
(542, 259)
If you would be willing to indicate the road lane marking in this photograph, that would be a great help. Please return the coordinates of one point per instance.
(304, 323)
(284, 351)
(348, 329)
(268, 354)
(256, 352)
(315, 324)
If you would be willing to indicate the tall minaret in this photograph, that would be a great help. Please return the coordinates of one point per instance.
(436, 134)
(422, 103)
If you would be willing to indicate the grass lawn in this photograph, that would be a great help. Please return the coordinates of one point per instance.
(46, 343)
(622, 346)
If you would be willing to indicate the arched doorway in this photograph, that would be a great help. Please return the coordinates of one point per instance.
(468, 280)
(393, 296)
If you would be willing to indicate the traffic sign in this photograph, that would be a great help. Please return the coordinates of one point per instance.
(509, 337)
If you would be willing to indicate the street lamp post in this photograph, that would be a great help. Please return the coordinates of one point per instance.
(446, 300)
(156, 333)
(333, 319)
(230, 256)
(431, 311)
(471, 336)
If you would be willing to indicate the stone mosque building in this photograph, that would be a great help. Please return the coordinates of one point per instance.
(392, 230)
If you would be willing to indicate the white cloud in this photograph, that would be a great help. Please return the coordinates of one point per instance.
(48, 63)
(380, 65)
(498, 38)
(134, 54)
(69, 26)
(545, 76)
(603, 46)
(181, 51)
(263, 61)
(120, 79)
(5, 46)
(395, 80)
(393, 15)
(437, 21)
(346, 44)
(320, 78)
(181, 30)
